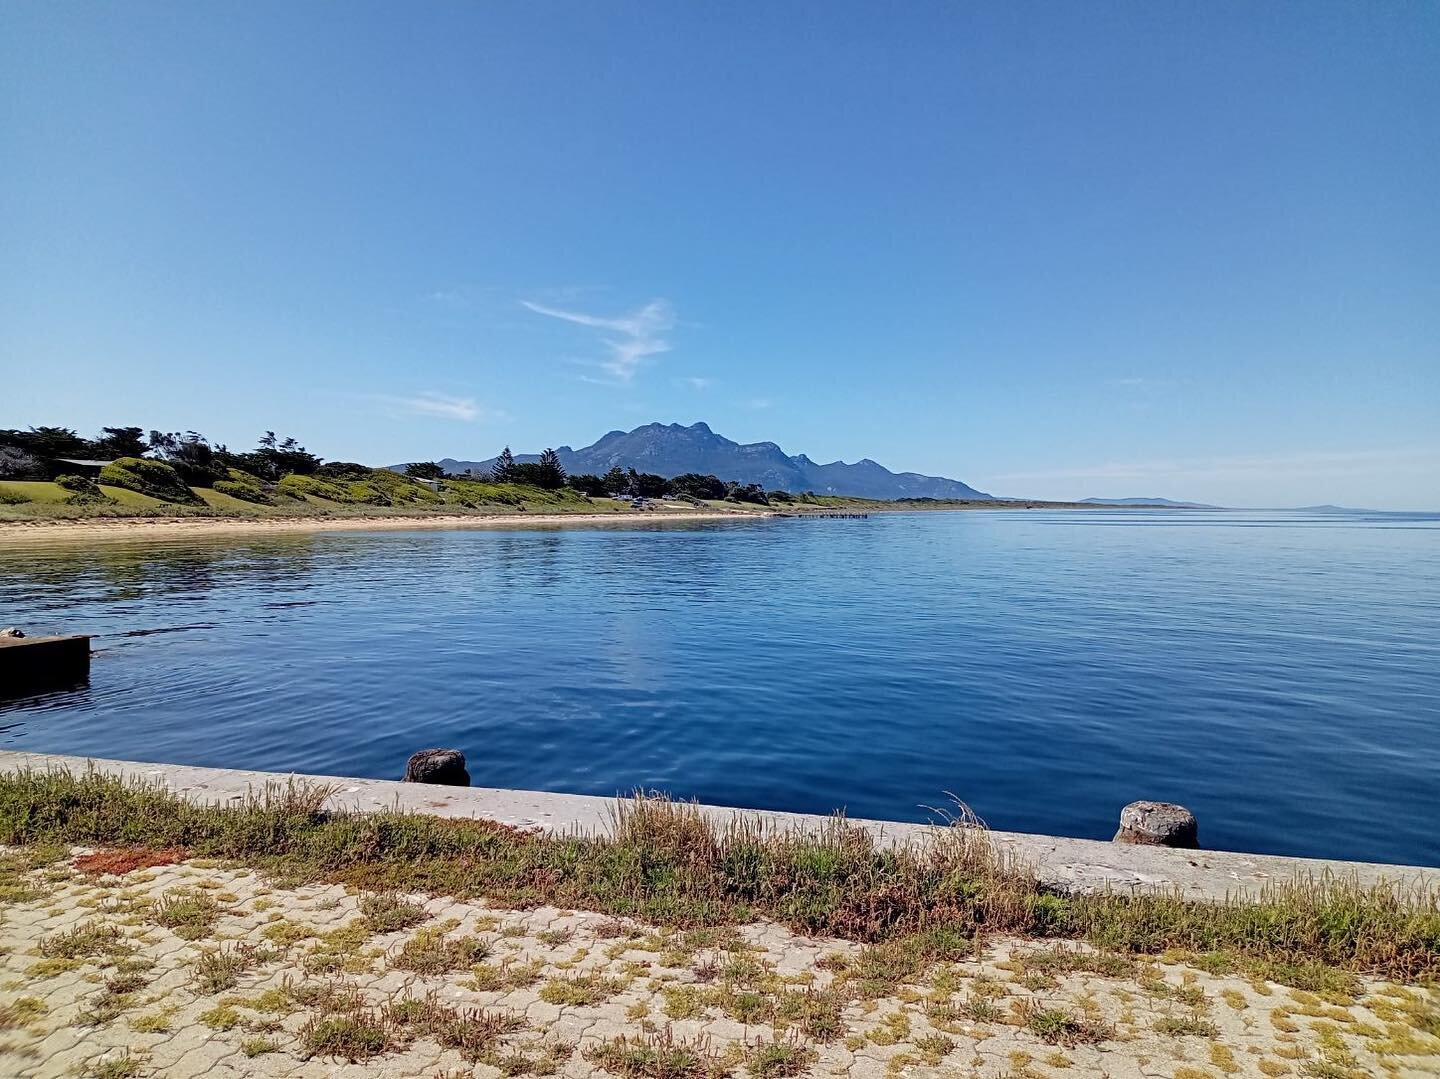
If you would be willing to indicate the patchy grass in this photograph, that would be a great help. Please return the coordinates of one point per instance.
(285, 933)
(222, 1017)
(387, 912)
(122, 1067)
(431, 952)
(340, 951)
(1182, 1026)
(666, 864)
(583, 990)
(1060, 1027)
(816, 1013)
(189, 916)
(779, 1059)
(540, 1058)
(502, 976)
(89, 941)
(21, 1012)
(254, 1047)
(659, 1056)
(354, 1036)
(219, 969)
(472, 1032)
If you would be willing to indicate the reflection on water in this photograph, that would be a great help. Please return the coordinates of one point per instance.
(1278, 673)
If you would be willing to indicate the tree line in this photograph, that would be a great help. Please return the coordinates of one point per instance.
(549, 474)
(39, 452)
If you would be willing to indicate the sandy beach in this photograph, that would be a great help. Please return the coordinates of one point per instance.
(99, 529)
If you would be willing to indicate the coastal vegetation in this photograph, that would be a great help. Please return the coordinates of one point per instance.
(910, 905)
(124, 472)
(53, 472)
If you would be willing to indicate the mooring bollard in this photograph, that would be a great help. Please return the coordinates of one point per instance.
(443, 766)
(1157, 824)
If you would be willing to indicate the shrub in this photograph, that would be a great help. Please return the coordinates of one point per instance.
(244, 486)
(370, 494)
(401, 489)
(153, 478)
(300, 486)
(83, 491)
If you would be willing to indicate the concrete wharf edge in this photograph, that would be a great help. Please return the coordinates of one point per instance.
(1081, 865)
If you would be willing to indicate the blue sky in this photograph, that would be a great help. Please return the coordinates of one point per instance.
(1054, 250)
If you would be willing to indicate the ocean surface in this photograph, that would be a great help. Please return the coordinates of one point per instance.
(1278, 673)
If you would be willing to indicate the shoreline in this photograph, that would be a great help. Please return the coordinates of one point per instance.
(41, 530)
(16, 531)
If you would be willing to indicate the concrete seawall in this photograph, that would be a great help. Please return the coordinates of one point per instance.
(1071, 864)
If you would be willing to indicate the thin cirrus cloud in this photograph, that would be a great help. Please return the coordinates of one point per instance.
(630, 338)
(439, 405)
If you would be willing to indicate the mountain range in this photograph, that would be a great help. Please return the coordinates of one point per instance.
(671, 450)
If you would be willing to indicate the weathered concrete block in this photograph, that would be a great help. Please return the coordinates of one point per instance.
(1157, 824)
(443, 766)
(35, 664)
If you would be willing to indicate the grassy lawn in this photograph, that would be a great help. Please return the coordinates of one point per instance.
(46, 493)
(666, 864)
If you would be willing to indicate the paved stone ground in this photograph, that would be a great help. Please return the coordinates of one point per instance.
(195, 969)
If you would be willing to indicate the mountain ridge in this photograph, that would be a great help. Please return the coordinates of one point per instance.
(672, 449)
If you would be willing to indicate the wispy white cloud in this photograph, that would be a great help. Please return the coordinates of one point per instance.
(439, 405)
(696, 382)
(758, 404)
(630, 338)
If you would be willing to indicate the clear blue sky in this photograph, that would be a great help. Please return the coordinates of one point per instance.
(1055, 250)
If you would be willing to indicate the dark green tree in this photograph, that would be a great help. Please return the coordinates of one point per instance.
(48, 442)
(503, 470)
(529, 473)
(649, 485)
(746, 492)
(190, 454)
(699, 485)
(425, 470)
(275, 458)
(121, 442)
(552, 472)
(589, 484)
(617, 482)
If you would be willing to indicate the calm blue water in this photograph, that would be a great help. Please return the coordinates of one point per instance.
(1279, 674)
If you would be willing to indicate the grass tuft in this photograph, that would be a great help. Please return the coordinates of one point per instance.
(219, 969)
(387, 912)
(188, 916)
(583, 990)
(1060, 1027)
(659, 1056)
(431, 952)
